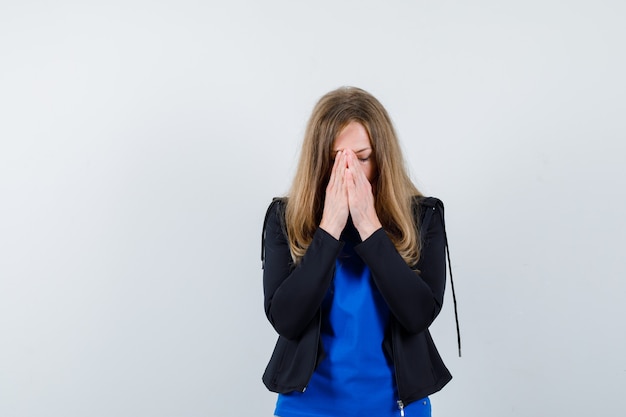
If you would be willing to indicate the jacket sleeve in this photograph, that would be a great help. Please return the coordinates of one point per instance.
(293, 294)
(414, 298)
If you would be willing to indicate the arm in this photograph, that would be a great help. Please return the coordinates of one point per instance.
(414, 299)
(294, 294)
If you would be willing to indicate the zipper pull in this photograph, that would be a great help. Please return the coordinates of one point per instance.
(401, 407)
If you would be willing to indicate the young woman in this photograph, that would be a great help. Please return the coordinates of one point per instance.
(354, 272)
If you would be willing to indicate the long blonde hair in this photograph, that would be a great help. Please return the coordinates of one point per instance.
(394, 190)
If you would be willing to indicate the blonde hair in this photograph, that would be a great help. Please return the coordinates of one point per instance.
(394, 190)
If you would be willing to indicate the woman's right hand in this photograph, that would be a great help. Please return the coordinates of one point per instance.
(336, 209)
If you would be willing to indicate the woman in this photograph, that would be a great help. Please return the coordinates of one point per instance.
(354, 272)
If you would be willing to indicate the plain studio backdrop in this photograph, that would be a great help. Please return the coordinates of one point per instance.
(142, 141)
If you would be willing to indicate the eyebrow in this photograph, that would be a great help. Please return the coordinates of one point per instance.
(359, 151)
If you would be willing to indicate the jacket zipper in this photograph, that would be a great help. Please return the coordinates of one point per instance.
(319, 336)
(395, 370)
(401, 407)
(319, 330)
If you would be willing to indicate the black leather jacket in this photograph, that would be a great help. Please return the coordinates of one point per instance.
(293, 296)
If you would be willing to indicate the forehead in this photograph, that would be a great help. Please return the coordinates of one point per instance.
(354, 137)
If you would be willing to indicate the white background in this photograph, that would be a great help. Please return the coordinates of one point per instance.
(141, 142)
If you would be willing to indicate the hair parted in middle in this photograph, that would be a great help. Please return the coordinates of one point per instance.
(393, 189)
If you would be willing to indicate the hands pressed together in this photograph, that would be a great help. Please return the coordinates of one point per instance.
(349, 192)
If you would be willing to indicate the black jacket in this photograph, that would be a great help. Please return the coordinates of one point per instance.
(293, 296)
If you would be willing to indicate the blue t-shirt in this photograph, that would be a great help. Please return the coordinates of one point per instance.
(355, 378)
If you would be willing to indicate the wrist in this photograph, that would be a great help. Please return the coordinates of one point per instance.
(368, 229)
(332, 229)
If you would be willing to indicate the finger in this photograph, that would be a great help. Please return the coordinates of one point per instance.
(350, 184)
(347, 184)
(358, 173)
(333, 171)
(350, 159)
(336, 173)
(341, 168)
(352, 174)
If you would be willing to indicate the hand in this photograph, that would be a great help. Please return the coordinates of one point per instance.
(336, 211)
(360, 198)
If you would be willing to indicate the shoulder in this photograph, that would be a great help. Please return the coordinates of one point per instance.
(421, 204)
(276, 207)
(423, 201)
(274, 222)
(275, 212)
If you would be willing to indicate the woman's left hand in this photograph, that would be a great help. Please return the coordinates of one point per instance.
(360, 198)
